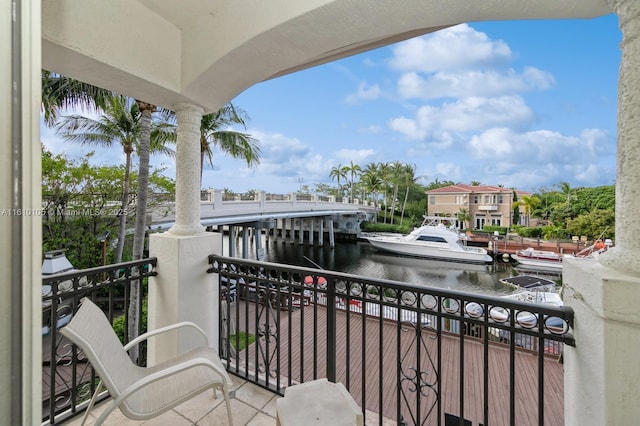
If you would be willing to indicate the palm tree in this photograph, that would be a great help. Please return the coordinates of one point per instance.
(59, 91)
(464, 216)
(337, 173)
(566, 190)
(353, 170)
(528, 203)
(409, 178)
(215, 131)
(386, 176)
(120, 123)
(371, 180)
(397, 173)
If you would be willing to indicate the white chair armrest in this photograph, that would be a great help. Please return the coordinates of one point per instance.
(160, 330)
(160, 375)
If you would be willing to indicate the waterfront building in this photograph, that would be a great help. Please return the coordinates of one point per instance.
(485, 204)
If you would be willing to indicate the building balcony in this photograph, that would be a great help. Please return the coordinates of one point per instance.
(488, 207)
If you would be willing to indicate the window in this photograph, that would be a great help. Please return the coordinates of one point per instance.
(500, 199)
(432, 200)
(476, 199)
(494, 199)
(431, 239)
(486, 199)
(460, 199)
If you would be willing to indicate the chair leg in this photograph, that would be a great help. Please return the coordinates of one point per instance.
(225, 392)
(91, 403)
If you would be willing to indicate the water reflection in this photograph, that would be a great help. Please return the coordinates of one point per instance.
(362, 259)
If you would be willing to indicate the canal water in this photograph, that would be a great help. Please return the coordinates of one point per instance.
(360, 258)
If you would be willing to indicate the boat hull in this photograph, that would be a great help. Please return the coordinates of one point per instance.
(418, 250)
(555, 265)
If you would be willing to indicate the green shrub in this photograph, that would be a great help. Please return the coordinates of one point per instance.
(385, 227)
(529, 232)
(502, 230)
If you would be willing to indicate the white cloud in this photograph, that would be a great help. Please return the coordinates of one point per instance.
(358, 156)
(469, 114)
(471, 83)
(455, 48)
(365, 92)
(542, 156)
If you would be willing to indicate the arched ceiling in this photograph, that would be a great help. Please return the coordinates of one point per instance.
(206, 52)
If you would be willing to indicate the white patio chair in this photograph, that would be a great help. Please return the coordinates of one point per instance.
(142, 393)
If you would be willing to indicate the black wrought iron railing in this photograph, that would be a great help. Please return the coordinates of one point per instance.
(68, 381)
(413, 354)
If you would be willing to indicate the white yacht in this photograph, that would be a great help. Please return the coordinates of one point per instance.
(431, 240)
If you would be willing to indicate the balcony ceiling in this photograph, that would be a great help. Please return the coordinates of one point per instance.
(206, 52)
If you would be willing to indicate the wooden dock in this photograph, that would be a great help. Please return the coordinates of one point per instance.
(371, 352)
(511, 245)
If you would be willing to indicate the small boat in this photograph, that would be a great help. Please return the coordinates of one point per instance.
(533, 258)
(530, 282)
(431, 240)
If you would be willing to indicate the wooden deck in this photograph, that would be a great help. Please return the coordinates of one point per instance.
(378, 348)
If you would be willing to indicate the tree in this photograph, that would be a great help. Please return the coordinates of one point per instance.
(353, 170)
(598, 223)
(371, 179)
(76, 206)
(464, 216)
(409, 178)
(516, 209)
(59, 91)
(387, 184)
(566, 190)
(397, 173)
(118, 124)
(141, 215)
(215, 131)
(528, 203)
(337, 173)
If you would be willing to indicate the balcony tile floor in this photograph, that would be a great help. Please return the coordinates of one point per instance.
(252, 405)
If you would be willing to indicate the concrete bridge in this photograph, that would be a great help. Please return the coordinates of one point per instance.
(301, 217)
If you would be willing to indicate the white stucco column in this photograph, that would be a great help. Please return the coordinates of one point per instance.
(188, 170)
(625, 255)
(183, 290)
(601, 374)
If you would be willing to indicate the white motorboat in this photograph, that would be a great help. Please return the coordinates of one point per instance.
(431, 240)
(539, 259)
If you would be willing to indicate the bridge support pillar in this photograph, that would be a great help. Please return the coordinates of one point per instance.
(311, 223)
(245, 242)
(321, 232)
(332, 238)
(301, 231)
(232, 241)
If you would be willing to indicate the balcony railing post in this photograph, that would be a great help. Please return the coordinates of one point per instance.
(331, 330)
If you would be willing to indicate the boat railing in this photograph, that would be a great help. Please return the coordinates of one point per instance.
(396, 347)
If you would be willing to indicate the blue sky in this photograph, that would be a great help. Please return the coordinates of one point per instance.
(526, 104)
